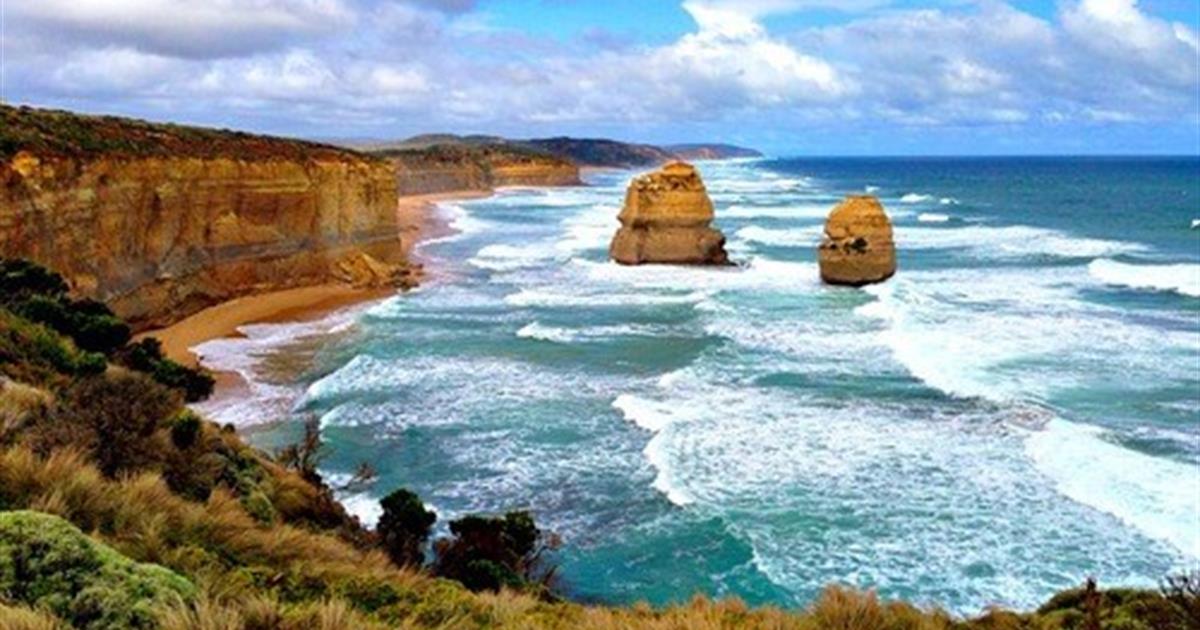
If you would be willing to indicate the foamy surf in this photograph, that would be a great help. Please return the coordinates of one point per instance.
(460, 221)
(1180, 278)
(1158, 496)
(655, 418)
(932, 217)
(264, 401)
(915, 198)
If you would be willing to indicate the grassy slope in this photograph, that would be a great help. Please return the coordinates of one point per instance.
(68, 134)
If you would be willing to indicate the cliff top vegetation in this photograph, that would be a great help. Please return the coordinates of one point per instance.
(68, 134)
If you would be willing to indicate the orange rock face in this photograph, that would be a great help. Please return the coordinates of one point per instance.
(858, 248)
(158, 238)
(666, 219)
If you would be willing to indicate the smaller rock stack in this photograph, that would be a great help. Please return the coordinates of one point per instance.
(667, 219)
(858, 248)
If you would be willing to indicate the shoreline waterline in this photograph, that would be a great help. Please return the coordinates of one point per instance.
(418, 221)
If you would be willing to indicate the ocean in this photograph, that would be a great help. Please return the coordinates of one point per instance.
(1018, 409)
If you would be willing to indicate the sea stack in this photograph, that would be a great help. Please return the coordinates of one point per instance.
(666, 219)
(858, 248)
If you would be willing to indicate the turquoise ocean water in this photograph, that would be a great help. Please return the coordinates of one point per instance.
(1017, 409)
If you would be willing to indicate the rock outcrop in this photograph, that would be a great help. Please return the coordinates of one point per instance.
(666, 219)
(161, 221)
(858, 248)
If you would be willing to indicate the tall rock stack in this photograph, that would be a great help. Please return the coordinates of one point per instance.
(667, 219)
(858, 248)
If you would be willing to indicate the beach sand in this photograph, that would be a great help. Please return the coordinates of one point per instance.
(418, 220)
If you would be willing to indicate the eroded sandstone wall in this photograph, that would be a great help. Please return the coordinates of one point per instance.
(159, 238)
(452, 170)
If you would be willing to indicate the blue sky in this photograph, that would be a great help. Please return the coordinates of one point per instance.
(795, 77)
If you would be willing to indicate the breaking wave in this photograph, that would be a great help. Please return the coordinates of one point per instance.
(1180, 278)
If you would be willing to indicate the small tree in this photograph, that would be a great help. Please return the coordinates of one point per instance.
(490, 553)
(306, 455)
(404, 527)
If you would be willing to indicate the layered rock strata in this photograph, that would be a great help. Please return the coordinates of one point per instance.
(857, 248)
(666, 219)
(442, 168)
(162, 221)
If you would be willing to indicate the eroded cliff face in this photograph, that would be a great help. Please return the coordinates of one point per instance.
(442, 169)
(160, 237)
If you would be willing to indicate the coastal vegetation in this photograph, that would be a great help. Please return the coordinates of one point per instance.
(121, 508)
(62, 133)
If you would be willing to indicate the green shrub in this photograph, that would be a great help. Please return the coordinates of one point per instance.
(21, 279)
(90, 324)
(490, 553)
(146, 356)
(45, 562)
(185, 429)
(113, 417)
(35, 354)
(404, 527)
(259, 506)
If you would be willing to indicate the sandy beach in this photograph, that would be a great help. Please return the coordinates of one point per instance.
(417, 220)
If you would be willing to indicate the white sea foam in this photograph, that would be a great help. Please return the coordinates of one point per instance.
(722, 185)
(655, 417)
(1004, 334)
(560, 334)
(1158, 496)
(501, 257)
(559, 299)
(933, 217)
(729, 449)
(1016, 241)
(591, 228)
(787, 237)
(806, 211)
(1181, 278)
(460, 220)
(760, 273)
(534, 330)
(915, 198)
(948, 201)
(644, 413)
(871, 189)
(1195, 223)
(265, 401)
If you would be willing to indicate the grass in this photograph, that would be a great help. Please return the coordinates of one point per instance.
(68, 134)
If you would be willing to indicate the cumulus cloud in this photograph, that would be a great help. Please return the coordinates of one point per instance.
(335, 65)
(183, 28)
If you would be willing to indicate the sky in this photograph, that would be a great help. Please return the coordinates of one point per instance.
(790, 77)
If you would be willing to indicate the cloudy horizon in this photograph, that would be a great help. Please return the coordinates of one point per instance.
(817, 77)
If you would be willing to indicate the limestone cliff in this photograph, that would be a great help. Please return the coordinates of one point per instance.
(161, 221)
(448, 168)
(858, 247)
(666, 220)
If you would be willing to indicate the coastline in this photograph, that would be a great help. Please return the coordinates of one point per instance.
(417, 221)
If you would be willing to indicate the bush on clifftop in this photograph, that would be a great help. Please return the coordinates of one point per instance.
(40, 296)
(488, 553)
(45, 562)
(404, 528)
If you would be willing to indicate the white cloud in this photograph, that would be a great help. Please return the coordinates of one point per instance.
(184, 28)
(1118, 32)
(298, 63)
